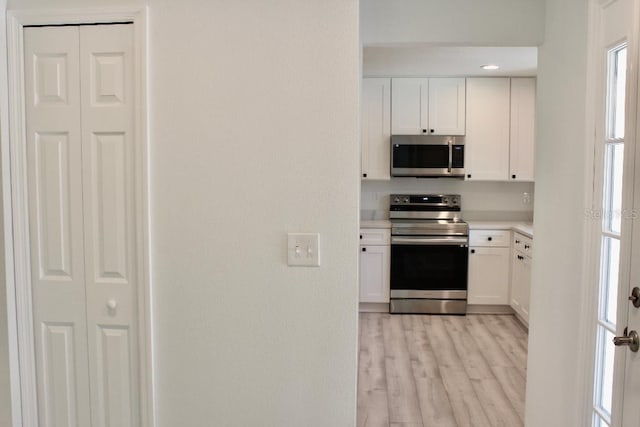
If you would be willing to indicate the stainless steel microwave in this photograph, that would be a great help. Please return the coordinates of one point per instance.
(427, 156)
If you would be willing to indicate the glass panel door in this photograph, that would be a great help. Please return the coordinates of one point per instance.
(610, 234)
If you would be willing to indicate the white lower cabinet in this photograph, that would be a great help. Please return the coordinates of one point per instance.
(521, 275)
(375, 261)
(489, 267)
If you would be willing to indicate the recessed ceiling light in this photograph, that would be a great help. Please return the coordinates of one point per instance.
(490, 67)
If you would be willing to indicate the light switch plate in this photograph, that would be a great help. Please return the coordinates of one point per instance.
(303, 249)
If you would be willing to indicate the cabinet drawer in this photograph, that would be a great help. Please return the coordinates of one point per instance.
(523, 243)
(375, 236)
(495, 238)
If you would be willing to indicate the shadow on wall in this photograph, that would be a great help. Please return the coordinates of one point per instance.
(5, 395)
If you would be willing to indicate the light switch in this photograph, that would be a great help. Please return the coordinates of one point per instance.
(303, 249)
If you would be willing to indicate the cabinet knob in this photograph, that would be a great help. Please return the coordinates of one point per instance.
(517, 241)
(526, 246)
(364, 175)
(361, 236)
(432, 130)
(469, 176)
(513, 177)
(473, 251)
(489, 238)
(424, 131)
(364, 249)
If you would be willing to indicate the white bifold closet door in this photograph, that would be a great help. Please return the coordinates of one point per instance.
(80, 154)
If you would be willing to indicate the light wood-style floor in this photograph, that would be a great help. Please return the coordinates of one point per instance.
(427, 371)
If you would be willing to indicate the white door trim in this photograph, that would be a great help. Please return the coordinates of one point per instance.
(16, 208)
(591, 247)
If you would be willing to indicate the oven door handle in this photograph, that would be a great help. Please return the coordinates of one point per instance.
(432, 241)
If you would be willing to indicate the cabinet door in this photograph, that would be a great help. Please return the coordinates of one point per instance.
(409, 106)
(376, 128)
(374, 273)
(526, 288)
(520, 285)
(517, 283)
(523, 105)
(487, 140)
(447, 106)
(488, 276)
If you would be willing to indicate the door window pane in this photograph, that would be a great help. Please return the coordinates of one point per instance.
(609, 279)
(613, 168)
(605, 379)
(617, 86)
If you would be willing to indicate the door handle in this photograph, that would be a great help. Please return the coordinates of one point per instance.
(635, 297)
(631, 339)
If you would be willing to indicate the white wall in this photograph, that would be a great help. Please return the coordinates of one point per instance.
(480, 200)
(552, 386)
(453, 22)
(253, 134)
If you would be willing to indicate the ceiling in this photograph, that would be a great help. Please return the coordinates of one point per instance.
(448, 61)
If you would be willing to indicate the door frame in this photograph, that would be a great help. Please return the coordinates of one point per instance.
(16, 224)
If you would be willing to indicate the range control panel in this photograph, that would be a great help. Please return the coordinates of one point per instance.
(440, 201)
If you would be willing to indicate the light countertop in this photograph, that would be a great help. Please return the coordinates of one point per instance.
(375, 223)
(525, 228)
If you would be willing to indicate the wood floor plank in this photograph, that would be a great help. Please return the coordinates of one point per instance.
(511, 376)
(372, 408)
(493, 399)
(467, 408)
(512, 341)
(432, 396)
(401, 386)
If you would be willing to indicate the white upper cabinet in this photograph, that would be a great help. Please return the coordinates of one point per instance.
(523, 105)
(409, 106)
(447, 106)
(433, 106)
(487, 140)
(376, 128)
(500, 140)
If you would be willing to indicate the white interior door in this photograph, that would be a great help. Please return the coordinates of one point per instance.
(629, 313)
(80, 117)
(616, 202)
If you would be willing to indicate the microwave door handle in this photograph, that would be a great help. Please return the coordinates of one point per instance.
(450, 155)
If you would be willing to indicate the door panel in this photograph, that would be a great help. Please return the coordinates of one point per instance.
(52, 196)
(110, 202)
(55, 221)
(106, 63)
(58, 374)
(114, 377)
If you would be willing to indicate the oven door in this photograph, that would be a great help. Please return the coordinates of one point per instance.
(429, 267)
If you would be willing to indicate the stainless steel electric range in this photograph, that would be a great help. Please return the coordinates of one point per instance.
(429, 254)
